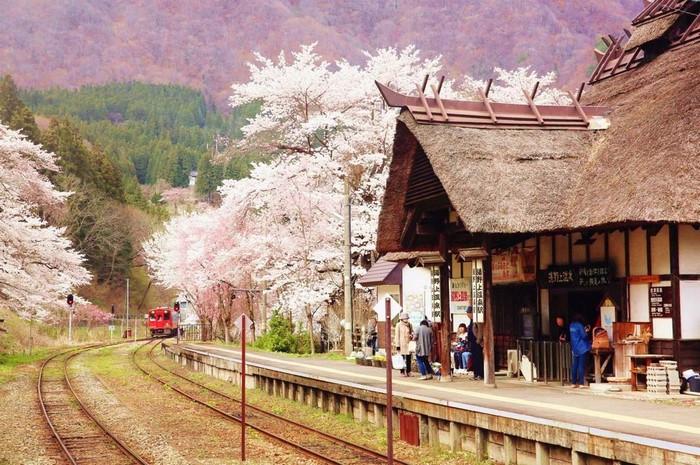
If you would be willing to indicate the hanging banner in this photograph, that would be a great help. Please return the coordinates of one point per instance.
(435, 294)
(460, 295)
(478, 290)
(515, 265)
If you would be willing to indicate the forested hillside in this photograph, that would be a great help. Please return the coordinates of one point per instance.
(206, 44)
(107, 217)
(152, 132)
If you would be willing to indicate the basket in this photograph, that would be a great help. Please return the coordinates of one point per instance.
(600, 339)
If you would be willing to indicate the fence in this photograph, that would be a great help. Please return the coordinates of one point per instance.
(552, 359)
(196, 332)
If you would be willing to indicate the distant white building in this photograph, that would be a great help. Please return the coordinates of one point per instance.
(193, 178)
(187, 314)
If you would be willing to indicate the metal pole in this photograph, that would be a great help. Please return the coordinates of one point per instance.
(243, 328)
(347, 258)
(389, 387)
(127, 309)
(70, 324)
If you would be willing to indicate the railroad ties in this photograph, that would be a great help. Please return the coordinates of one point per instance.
(302, 438)
(81, 437)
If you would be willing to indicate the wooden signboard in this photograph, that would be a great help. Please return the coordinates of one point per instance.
(660, 301)
(576, 276)
(478, 290)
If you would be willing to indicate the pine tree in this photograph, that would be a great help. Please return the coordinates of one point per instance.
(14, 113)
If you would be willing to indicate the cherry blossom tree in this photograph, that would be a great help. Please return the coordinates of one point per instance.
(38, 266)
(508, 87)
(322, 124)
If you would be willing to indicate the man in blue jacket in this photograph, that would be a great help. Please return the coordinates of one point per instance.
(580, 346)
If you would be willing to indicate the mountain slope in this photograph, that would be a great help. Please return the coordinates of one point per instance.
(205, 43)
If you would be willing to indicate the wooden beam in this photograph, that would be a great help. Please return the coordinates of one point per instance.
(444, 333)
(442, 80)
(634, 57)
(533, 107)
(488, 87)
(533, 94)
(425, 83)
(409, 230)
(436, 92)
(424, 102)
(580, 91)
(696, 22)
(577, 105)
(486, 101)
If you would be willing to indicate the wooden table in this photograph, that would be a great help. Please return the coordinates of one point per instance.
(598, 354)
(639, 364)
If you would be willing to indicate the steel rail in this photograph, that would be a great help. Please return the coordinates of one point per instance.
(334, 439)
(123, 447)
(310, 429)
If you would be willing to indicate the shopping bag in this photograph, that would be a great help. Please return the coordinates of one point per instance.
(412, 347)
(397, 362)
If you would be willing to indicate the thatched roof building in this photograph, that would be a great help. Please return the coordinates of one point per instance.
(644, 168)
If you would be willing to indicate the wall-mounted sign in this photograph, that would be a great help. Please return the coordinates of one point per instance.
(478, 290)
(660, 301)
(514, 265)
(585, 276)
(460, 295)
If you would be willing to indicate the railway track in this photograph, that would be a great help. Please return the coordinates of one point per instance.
(82, 438)
(303, 438)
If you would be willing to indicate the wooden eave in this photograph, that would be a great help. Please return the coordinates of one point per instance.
(491, 115)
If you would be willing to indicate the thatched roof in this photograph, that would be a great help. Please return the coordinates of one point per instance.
(651, 30)
(646, 167)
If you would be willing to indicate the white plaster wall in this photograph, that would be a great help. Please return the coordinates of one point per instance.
(662, 328)
(598, 248)
(639, 302)
(579, 251)
(689, 249)
(660, 252)
(545, 252)
(562, 246)
(690, 309)
(638, 252)
(616, 245)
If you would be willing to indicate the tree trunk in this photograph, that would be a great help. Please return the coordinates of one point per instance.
(310, 317)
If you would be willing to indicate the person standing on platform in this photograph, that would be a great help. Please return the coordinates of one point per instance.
(580, 346)
(562, 330)
(402, 337)
(372, 334)
(424, 343)
(475, 340)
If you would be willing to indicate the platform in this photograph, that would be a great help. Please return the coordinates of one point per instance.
(662, 426)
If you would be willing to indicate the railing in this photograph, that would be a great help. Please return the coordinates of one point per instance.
(196, 332)
(552, 359)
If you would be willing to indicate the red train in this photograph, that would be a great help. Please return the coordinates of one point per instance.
(163, 321)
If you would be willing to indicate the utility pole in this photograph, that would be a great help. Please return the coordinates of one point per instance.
(347, 258)
(126, 333)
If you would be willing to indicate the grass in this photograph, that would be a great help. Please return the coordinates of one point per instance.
(341, 425)
(11, 363)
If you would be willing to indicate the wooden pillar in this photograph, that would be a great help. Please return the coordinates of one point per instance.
(348, 407)
(313, 397)
(676, 289)
(444, 333)
(378, 422)
(489, 356)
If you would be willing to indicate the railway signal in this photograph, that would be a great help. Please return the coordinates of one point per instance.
(243, 322)
(70, 301)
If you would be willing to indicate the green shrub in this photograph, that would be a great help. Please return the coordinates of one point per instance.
(280, 337)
